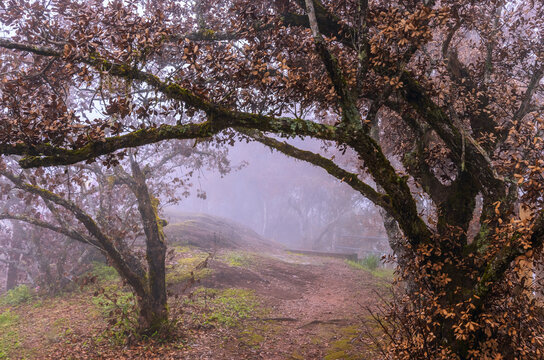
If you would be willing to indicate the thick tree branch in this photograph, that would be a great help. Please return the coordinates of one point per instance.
(350, 112)
(329, 24)
(205, 129)
(368, 149)
(477, 160)
(219, 118)
(525, 105)
(498, 267)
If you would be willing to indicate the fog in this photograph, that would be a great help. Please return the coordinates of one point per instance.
(288, 201)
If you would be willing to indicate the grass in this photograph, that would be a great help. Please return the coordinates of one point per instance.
(9, 335)
(224, 307)
(237, 259)
(16, 296)
(371, 263)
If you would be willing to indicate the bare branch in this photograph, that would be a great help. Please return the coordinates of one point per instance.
(58, 229)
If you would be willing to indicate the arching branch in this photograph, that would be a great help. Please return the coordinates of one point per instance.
(328, 165)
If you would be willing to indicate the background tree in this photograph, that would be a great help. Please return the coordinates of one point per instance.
(454, 86)
(111, 210)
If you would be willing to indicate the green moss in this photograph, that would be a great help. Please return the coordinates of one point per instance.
(179, 249)
(296, 356)
(343, 348)
(294, 253)
(252, 338)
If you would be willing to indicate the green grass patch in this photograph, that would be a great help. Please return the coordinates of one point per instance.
(384, 274)
(371, 264)
(181, 270)
(237, 259)
(16, 296)
(9, 334)
(225, 307)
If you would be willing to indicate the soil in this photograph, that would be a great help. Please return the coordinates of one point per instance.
(314, 303)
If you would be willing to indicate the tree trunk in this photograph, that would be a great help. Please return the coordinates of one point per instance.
(153, 313)
(11, 277)
(14, 256)
(153, 305)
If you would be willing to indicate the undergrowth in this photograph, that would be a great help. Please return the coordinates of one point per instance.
(119, 308)
(104, 272)
(9, 335)
(371, 263)
(16, 296)
(223, 307)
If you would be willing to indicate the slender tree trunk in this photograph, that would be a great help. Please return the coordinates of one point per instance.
(12, 274)
(14, 256)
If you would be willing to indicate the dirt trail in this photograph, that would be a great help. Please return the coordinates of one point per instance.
(317, 307)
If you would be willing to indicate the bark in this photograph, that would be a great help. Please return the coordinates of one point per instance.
(153, 307)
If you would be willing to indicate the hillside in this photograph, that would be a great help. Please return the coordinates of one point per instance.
(211, 233)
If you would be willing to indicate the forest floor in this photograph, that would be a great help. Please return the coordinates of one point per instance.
(240, 305)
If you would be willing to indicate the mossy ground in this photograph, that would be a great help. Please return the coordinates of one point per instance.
(227, 307)
(186, 263)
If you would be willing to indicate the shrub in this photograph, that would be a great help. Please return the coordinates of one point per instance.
(17, 295)
(104, 272)
(119, 308)
(371, 262)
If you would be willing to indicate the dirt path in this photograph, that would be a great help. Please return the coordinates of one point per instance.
(316, 307)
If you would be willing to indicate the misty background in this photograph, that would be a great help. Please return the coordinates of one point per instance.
(288, 201)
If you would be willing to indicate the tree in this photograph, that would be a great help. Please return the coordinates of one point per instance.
(111, 210)
(452, 88)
